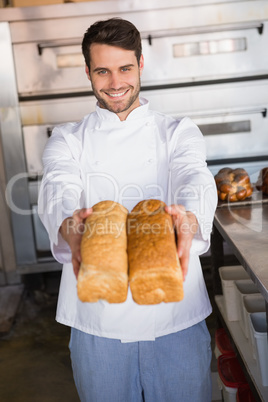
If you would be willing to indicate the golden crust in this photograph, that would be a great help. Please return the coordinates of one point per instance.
(103, 272)
(155, 275)
(233, 184)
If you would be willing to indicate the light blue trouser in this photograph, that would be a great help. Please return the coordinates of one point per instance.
(174, 367)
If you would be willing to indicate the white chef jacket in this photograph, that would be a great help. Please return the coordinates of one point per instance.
(149, 155)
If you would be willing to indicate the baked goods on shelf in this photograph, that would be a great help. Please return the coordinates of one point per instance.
(155, 274)
(103, 272)
(233, 184)
(262, 182)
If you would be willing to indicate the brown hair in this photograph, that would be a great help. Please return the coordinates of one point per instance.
(113, 32)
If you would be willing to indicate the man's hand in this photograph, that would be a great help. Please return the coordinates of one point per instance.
(186, 226)
(72, 229)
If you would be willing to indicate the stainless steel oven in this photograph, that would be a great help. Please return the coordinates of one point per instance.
(207, 60)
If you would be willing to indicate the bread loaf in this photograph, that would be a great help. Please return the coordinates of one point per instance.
(262, 183)
(103, 272)
(155, 274)
(233, 184)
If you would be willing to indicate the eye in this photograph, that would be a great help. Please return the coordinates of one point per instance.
(102, 72)
(125, 69)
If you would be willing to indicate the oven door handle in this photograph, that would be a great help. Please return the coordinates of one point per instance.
(164, 34)
(202, 30)
(57, 43)
(261, 110)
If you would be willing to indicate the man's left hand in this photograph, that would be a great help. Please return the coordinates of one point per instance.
(186, 225)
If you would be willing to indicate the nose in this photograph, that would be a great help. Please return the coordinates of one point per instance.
(115, 81)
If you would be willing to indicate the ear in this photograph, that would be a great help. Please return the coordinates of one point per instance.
(87, 72)
(141, 66)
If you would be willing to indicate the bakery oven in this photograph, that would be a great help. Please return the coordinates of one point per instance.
(202, 59)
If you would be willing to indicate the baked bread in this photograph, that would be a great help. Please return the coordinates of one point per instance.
(233, 184)
(262, 182)
(103, 272)
(155, 274)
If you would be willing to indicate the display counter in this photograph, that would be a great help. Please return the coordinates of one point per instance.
(244, 227)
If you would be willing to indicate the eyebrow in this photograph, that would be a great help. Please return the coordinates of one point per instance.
(105, 68)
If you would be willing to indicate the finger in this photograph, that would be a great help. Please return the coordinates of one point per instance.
(76, 269)
(76, 261)
(175, 210)
(183, 244)
(184, 261)
(180, 247)
(85, 212)
(80, 214)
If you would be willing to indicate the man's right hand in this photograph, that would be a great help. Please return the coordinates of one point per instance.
(72, 229)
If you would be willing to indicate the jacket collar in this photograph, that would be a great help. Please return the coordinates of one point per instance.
(137, 113)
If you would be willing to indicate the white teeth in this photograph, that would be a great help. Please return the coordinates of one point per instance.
(117, 95)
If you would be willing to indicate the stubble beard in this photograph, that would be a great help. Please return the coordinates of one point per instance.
(120, 105)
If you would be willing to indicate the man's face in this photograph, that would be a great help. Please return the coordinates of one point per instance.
(115, 78)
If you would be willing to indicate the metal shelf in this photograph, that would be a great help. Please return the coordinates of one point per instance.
(242, 346)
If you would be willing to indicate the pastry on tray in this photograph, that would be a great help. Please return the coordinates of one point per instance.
(233, 184)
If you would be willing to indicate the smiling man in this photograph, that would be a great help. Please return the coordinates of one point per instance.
(125, 152)
(115, 78)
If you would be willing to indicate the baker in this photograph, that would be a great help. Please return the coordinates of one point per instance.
(125, 152)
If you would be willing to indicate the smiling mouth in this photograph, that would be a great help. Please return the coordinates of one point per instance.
(116, 94)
